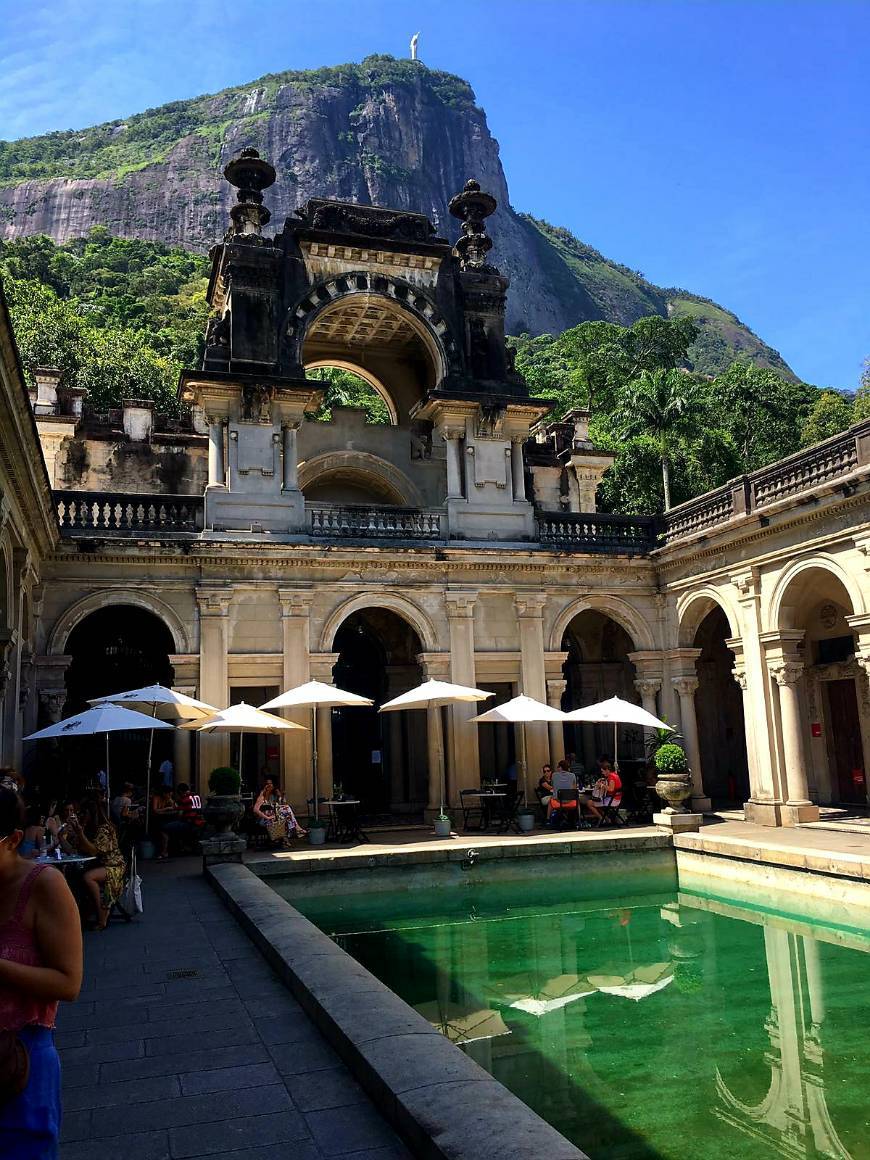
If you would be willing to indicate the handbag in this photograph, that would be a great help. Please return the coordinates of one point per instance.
(14, 1067)
(131, 900)
(276, 828)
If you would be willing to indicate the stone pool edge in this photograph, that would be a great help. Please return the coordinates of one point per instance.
(391, 1049)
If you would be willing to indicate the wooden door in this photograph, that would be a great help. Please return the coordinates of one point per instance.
(845, 751)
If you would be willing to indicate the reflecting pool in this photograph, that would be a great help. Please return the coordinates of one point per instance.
(641, 1020)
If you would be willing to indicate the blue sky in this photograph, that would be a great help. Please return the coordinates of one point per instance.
(719, 145)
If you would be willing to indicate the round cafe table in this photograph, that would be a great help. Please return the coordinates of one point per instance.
(66, 861)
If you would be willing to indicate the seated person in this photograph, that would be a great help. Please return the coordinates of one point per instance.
(190, 809)
(274, 813)
(123, 809)
(33, 842)
(98, 838)
(563, 779)
(608, 787)
(165, 820)
(544, 788)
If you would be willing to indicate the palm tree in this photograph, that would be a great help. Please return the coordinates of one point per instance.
(660, 404)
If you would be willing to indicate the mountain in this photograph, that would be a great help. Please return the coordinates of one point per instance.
(385, 131)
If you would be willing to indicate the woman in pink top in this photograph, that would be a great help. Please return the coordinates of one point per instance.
(40, 964)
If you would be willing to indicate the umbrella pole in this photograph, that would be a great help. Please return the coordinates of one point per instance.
(525, 765)
(314, 760)
(108, 779)
(615, 745)
(148, 771)
(241, 757)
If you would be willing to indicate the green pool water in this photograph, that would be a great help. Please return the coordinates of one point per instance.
(641, 1020)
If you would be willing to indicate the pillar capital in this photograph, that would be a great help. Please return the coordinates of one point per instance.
(213, 600)
(747, 584)
(460, 603)
(786, 672)
(321, 665)
(685, 686)
(530, 604)
(295, 601)
(555, 692)
(648, 686)
(52, 701)
(740, 676)
(435, 665)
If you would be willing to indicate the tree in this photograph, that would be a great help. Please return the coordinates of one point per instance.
(762, 412)
(830, 414)
(661, 405)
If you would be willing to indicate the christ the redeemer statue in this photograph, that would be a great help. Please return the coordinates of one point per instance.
(414, 39)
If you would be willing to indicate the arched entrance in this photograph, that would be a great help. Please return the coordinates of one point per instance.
(598, 667)
(112, 649)
(719, 711)
(380, 758)
(812, 612)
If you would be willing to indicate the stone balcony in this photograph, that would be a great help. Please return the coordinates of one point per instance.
(100, 516)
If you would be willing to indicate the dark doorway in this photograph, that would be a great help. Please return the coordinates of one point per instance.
(113, 649)
(845, 751)
(380, 758)
(719, 709)
(496, 743)
(260, 753)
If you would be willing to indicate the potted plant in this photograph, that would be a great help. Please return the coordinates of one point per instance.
(317, 831)
(443, 824)
(674, 782)
(526, 819)
(223, 807)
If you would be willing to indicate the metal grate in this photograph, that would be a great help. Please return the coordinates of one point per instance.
(188, 973)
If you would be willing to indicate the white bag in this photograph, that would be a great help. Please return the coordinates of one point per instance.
(131, 899)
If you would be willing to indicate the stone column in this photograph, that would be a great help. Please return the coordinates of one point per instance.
(214, 603)
(216, 463)
(648, 687)
(463, 765)
(530, 619)
(291, 463)
(435, 667)
(518, 470)
(295, 606)
(766, 790)
(798, 807)
(454, 471)
(555, 692)
(685, 688)
(181, 742)
(320, 669)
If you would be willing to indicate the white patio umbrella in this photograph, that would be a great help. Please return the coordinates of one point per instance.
(241, 718)
(555, 994)
(620, 713)
(100, 719)
(435, 694)
(162, 703)
(316, 695)
(637, 984)
(519, 711)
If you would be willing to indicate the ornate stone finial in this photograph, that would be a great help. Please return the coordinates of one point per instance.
(250, 174)
(472, 207)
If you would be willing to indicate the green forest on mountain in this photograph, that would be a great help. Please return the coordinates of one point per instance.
(122, 317)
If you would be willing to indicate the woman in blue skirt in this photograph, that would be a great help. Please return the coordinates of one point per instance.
(40, 964)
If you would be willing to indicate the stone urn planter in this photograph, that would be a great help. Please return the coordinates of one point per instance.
(442, 826)
(674, 784)
(223, 808)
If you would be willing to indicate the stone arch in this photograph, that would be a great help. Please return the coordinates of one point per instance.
(415, 305)
(95, 601)
(362, 373)
(693, 607)
(613, 606)
(820, 562)
(7, 619)
(369, 469)
(401, 605)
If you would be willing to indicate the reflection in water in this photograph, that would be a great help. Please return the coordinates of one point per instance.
(641, 1022)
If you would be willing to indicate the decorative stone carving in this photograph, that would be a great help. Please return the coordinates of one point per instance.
(473, 207)
(685, 686)
(530, 604)
(369, 221)
(787, 672)
(250, 174)
(739, 675)
(648, 686)
(52, 702)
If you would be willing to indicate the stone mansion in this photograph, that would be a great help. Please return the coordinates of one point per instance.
(250, 549)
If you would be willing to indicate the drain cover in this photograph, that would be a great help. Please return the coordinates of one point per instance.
(188, 973)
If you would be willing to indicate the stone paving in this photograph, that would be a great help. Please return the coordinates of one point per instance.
(184, 1044)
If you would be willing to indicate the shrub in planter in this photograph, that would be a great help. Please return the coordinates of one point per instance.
(223, 808)
(674, 783)
(442, 826)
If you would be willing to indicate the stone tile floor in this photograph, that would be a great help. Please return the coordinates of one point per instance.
(184, 1044)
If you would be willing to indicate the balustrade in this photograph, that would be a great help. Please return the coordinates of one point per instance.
(596, 532)
(374, 522)
(89, 513)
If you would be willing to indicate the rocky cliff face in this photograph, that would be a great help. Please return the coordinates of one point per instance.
(390, 133)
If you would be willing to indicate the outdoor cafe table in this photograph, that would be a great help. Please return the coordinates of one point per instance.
(66, 862)
(344, 820)
(489, 799)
